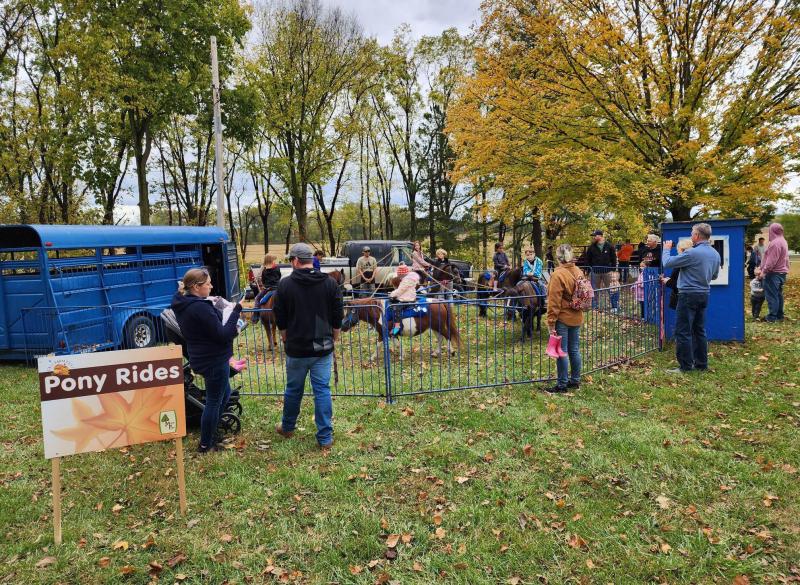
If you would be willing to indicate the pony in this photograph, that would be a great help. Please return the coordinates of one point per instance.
(489, 288)
(267, 318)
(337, 276)
(439, 319)
(531, 305)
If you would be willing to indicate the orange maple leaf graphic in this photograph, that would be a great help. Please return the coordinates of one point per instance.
(81, 434)
(135, 421)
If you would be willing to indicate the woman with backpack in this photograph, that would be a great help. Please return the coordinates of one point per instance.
(568, 293)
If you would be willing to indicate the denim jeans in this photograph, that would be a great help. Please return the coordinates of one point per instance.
(296, 371)
(773, 291)
(691, 345)
(218, 392)
(570, 344)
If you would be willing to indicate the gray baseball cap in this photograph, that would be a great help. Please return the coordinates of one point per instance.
(301, 251)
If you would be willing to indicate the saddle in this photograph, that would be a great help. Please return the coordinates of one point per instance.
(418, 309)
(267, 296)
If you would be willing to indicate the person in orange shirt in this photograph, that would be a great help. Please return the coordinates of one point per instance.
(624, 258)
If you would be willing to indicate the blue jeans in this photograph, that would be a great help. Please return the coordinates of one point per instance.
(773, 292)
(320, 370)
(218, 392)
(570, 338)
(691, 345)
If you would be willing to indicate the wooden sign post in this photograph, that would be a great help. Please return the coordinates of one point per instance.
(94, 402)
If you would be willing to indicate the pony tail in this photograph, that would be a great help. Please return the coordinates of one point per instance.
(455, 337)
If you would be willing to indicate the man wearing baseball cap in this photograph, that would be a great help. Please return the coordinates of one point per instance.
(602, 258)
(365, 269)
(308, 312)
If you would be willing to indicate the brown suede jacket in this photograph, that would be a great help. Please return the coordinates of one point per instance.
(559, 295)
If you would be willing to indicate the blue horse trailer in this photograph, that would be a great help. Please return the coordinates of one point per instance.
(78, 288)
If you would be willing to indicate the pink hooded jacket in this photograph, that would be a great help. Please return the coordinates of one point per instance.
(776, 258)
(406, 291)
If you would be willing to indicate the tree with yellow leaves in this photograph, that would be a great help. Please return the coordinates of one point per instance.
(685, 107)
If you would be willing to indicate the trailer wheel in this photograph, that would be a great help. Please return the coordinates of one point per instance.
(140, 332)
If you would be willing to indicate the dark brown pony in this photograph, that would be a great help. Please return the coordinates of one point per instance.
(337, 276)
(530, 305)
(267, 318)
(439, 319)
(489, 288)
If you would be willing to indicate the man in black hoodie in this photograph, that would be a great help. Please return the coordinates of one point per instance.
(308, 311)
(602, 258)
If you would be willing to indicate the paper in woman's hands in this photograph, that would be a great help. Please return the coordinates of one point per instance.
(225, 306)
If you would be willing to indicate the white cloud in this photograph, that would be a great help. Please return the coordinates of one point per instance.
(426, 17)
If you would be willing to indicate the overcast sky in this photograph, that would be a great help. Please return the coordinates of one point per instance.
(426, 17)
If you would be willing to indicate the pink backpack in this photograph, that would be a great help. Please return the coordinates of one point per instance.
(583, 294)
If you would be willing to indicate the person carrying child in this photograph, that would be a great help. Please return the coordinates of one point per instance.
(756, 294)
(406, 292)
(268, 281)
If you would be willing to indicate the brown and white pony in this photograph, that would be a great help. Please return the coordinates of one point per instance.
(439, 319)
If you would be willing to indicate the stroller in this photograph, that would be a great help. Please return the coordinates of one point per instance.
(229, 422)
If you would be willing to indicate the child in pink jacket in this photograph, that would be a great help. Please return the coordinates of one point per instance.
(406, 292)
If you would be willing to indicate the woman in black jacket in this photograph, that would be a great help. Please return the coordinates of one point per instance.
(209, 343)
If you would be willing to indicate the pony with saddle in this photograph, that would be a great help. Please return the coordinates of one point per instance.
(491, 285)
(531, 302)
(417, 318)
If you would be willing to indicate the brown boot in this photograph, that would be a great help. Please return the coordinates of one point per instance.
(282, 433)
(326, 448)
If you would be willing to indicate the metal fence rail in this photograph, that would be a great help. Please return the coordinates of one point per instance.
(491, 349)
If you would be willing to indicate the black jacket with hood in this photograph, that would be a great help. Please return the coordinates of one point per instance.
(308, 307)
(208, 341)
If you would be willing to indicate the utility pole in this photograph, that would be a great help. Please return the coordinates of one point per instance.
(218, 154)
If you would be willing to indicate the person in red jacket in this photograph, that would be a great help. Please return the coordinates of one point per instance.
(774, 268)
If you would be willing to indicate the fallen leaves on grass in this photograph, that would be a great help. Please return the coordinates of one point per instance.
(120, 545)
(663, 502)
(176, 559)
(576, 542)
(46, 562)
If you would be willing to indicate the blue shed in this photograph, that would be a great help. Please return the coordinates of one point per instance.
(74, 288)
(725, 314)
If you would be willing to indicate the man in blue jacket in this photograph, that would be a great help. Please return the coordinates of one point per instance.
(308, 311)
(699, 266)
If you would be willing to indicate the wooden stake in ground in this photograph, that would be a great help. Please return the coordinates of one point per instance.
(57, 500)
(181, 479)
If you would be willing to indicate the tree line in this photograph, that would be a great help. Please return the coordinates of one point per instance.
(554, 117)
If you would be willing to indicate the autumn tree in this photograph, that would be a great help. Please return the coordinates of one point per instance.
(690, 108)
(146, 61)
(308, 61)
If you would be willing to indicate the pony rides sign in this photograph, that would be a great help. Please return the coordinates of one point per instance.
(93, 402)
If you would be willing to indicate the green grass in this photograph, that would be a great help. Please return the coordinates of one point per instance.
(637, 478)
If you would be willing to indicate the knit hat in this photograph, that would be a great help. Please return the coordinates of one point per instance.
(402, 270)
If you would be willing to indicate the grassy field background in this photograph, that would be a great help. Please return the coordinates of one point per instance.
(638, 477)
